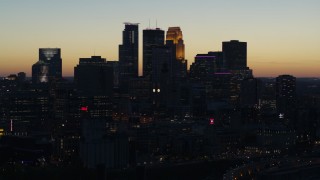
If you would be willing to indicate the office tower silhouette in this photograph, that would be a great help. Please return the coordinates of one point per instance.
(163, 59)
(207, 70)
(152, 38)
(128, 54)
(286, 95)
(204, 65)
(93, 76)
(49, 66)
(235, 54)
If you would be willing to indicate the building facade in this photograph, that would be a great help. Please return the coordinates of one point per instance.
(129, 54)
(235, 54)
(152, 38)
(49, 66)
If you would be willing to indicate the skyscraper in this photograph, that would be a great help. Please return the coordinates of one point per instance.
(49, 66)
(128, 54)
(163, 60)
(175, 34)
(128, 50)
(152, 38)
(93, 76)
(53, 57)
(235, 55)
(174, 39)
(286, 95)
(206, 70)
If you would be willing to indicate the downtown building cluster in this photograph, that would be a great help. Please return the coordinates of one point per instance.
(111, 117)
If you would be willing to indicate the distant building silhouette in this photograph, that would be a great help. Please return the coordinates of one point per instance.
(163, 59)
(204, 65)
(128, 54)
(21, 76)
(152, 38)
(93, 76)
(235, 54)
(235, 61)
(286, 95)
(49, 66)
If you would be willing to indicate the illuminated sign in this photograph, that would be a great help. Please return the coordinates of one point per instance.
(281, 115)
(211, 121)
(84, 108)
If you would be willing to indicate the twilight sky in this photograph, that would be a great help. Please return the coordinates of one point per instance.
(283, 35)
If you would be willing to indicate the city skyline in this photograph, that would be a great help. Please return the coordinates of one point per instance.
(159, 90)
(282, 36)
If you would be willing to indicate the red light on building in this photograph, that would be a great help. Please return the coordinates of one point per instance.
(211, 121)
(84, 108)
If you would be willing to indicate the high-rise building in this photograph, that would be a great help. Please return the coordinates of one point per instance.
(235, 61)
(235, 55)
(94, 81)
(152, 38)
(49, 66)
(162, 65)
(207, 70)
(93, 76)
(163, 60)
(285, 95)
(128, 54)
(175, 34)
(204, 66)
(53, 57)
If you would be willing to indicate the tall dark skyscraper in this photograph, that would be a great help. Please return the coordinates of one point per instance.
(286, 95)
(49, 66)
(93, 76)
(128, 55)
(152, 38)
(162, 65)
(128, 52)
(163, 61)
(235, 54)
(94, 80)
